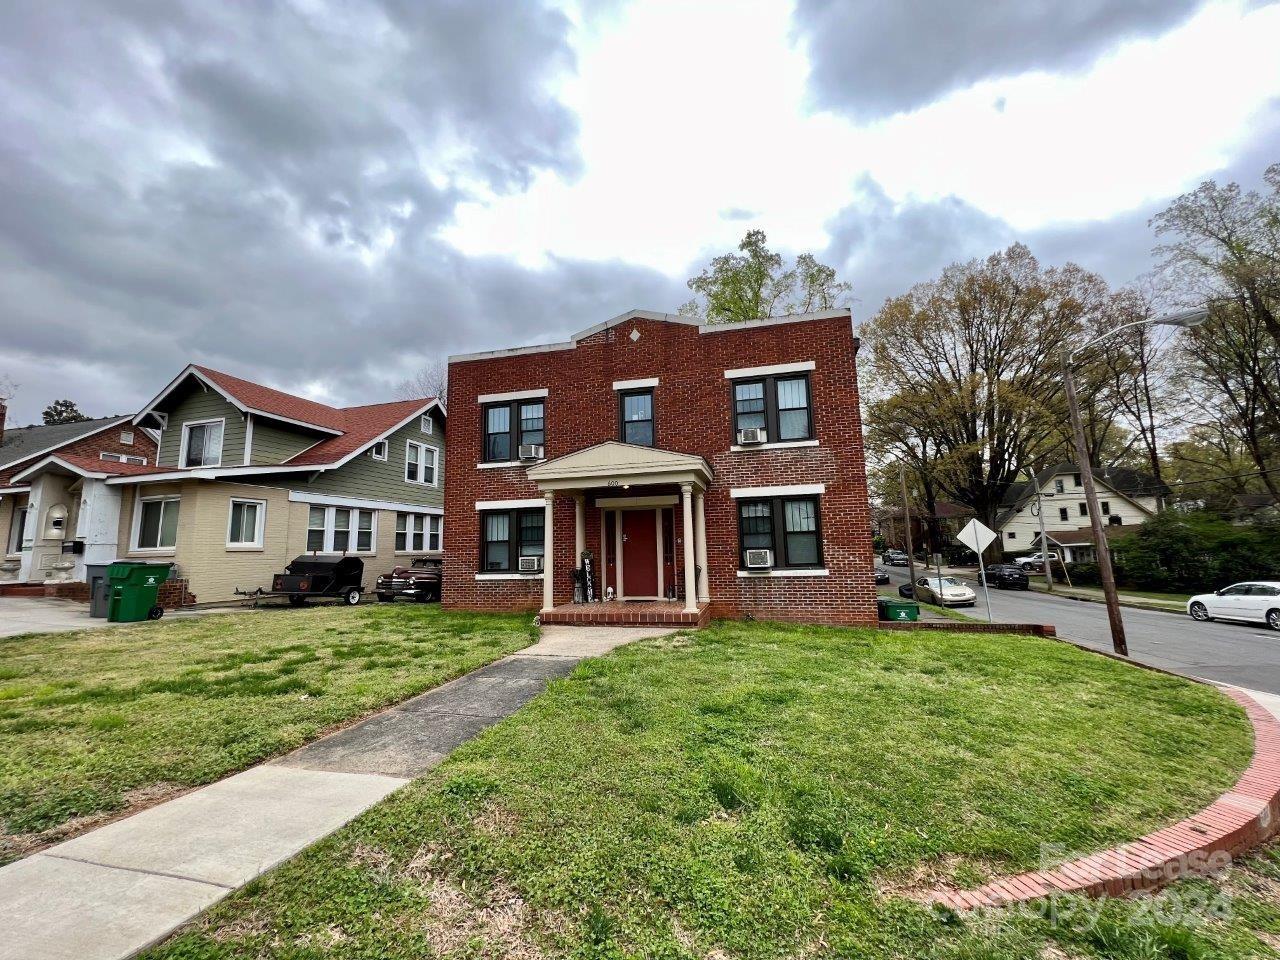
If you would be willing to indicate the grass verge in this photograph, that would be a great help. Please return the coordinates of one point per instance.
(102, 720)
(753, 791)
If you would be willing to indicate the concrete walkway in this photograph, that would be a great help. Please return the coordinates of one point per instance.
(111, 892)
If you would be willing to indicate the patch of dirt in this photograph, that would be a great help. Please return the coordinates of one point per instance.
(933, 876)
(373, 859)
(15, 846)
(496, 820)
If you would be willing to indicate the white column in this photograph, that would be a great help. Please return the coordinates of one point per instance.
(579, 528)
(548, 560)
(690, 580)
(700, 512)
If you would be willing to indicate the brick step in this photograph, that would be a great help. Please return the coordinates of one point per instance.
(625, 614)
(28, 590)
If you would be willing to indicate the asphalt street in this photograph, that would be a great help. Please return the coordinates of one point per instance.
(1247, 655)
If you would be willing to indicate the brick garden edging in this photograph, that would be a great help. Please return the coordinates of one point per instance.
(1241, 818)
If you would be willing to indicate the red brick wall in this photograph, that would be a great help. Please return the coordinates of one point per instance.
(692, 405)
(104, 441)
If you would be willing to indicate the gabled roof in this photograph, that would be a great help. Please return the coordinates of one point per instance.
(24, 443)
(84, 466)
(249, 397)
(362, 426)
(625, 462)
(1084, 535)
(1124, 481)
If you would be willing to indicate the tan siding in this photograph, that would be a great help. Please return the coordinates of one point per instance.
(377, 480)
(198, 404)
(7, 502)
(275, 444)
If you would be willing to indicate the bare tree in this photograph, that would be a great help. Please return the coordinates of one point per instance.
(963, 371)
(430, 381)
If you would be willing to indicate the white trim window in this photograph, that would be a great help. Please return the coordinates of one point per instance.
(428, 426)
(379, 450)
(418, 533)
(246, 522)
(17, 529)
(155, 523)
(201, 444)
(341, 530)
(420, 463)
(126, 437)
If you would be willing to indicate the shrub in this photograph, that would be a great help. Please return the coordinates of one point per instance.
(1197, 551)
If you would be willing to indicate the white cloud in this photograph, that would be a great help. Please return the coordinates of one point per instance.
(688, 111)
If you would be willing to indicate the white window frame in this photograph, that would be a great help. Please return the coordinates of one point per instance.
(186, 432)
(385, 447)
(421, 526)
(134, 539)
(17, 531)
(353, 530)
(126, 437)
(423, 449)
(260, 524)
(427, 426)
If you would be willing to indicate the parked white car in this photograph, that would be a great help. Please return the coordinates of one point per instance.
(944, 591)
(1035, 561)
(1256, 601)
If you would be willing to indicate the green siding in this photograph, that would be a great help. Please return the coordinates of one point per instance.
(372, 479)
(276, 444)
(192, 402)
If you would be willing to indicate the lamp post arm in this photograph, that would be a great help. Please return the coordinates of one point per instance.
(1071, 354)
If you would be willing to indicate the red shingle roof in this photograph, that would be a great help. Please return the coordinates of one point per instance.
(360, 425)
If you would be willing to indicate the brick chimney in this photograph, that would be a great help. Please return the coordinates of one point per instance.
(4, 412)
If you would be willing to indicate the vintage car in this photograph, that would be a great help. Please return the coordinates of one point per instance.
(419, 581)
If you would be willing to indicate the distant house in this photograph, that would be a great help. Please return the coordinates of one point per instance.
(49, 543)
(1255, 507)
(951, 519)
(1126, 497)
(243, 479)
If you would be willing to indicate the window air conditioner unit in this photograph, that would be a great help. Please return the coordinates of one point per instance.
(759, 559)
(530, 564)
(752, 435)
(532, 451)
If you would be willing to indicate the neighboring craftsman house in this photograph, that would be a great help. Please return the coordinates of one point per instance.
(51, 478)
(710, 470)
(247, 477)
(1126, 497)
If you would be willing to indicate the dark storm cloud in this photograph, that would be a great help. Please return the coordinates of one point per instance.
(870, 58)
(258, 187)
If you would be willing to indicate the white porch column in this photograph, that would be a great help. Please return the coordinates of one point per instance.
(700, 512)
(579, 528)
(548, 558)
(690, 579)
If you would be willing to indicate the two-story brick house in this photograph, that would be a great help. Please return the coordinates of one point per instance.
(663, 446)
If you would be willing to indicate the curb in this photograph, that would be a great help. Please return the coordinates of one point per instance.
(1243, 817)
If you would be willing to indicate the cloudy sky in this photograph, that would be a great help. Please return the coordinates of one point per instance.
(322, 196)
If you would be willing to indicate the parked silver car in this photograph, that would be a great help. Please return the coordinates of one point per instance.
(1256, 601)
(945, 591)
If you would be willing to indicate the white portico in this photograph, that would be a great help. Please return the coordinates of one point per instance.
(649, 505)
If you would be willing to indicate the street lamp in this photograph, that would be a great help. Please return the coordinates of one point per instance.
(1184, 319)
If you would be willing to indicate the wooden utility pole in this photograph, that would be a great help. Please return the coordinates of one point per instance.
(1105, 573)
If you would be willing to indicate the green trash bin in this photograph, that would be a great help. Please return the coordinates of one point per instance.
(898, 610)
(133, 589)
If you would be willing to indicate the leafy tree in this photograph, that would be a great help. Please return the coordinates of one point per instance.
(63, 411)
(753, 284)
(1197, 552)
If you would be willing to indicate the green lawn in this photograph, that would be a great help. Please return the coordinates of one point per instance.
(101, 720)
(760, 791)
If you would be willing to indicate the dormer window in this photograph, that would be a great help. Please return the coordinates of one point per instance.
(201, 444)
(379, 450)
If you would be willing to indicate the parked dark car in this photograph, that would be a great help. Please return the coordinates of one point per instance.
(882, 576)
(419, 581)
(894, 558)
(1007, 576)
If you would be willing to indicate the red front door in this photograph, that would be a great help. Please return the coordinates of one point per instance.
(639, 553)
